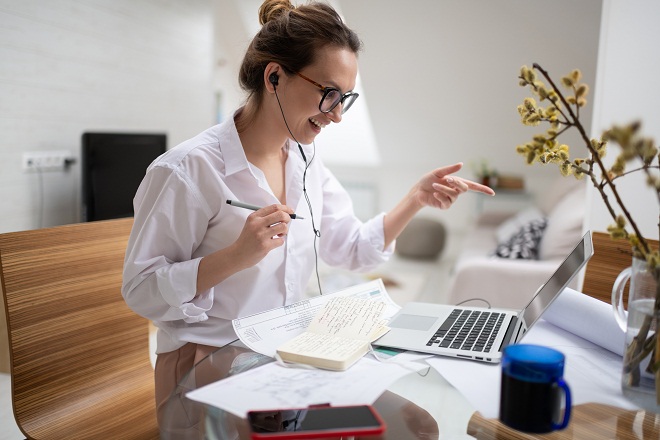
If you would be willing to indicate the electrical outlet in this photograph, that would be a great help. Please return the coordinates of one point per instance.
(45, 160)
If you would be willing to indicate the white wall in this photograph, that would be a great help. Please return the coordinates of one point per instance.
(70, 66)
(628, 72)
(441, 79)
(231, 40)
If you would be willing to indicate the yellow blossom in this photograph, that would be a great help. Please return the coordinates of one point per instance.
(621, 221)
(532, 120)
(530, 104)
(531, 156)
(576, 75)
(579, 172)
(582, 90)
(528, 74)
(616, 231)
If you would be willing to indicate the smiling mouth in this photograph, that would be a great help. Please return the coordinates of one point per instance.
(317, 123)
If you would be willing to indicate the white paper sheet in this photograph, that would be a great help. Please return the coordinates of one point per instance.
(592, 372)
(264, 332)
(274, 386)
(588, 318)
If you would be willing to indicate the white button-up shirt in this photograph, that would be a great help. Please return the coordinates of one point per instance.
(181, 215)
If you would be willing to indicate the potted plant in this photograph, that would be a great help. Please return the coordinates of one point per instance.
(485, 173)
(559, 108)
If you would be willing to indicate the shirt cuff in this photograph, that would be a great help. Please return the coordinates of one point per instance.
(376, 236)
(177, 284)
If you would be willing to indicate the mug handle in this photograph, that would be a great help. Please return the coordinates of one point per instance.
(617, 297)
(567, 409)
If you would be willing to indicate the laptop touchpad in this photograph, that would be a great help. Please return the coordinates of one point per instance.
(413, 322)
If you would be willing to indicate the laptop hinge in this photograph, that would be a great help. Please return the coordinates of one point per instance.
(509, 331)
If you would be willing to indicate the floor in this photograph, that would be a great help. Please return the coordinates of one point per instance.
(405, 280)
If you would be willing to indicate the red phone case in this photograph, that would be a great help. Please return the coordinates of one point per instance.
(339, 431)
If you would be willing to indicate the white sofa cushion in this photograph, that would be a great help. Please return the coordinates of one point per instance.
(565, 223)
(499, 281)
(557, 191)
(511, 283)
(512, 225)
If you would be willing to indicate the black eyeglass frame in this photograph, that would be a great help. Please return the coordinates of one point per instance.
(351, 96)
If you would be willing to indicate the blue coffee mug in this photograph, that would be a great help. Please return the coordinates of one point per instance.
(533, 390)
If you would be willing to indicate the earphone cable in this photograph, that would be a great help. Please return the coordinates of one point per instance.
(317, 233)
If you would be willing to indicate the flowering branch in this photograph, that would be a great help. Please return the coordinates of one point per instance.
(563, 113)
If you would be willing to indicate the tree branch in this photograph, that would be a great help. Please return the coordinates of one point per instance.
(602, 167)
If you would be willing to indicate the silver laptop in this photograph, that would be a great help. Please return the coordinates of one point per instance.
(478, 333)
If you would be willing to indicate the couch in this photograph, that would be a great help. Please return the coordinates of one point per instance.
(551, 226)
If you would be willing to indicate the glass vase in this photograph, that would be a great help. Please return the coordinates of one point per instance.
(641, 360)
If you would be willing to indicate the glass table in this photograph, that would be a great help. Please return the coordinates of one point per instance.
(419, 406)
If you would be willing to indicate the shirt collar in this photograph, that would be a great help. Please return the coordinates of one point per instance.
(234, 155)
(231, 147)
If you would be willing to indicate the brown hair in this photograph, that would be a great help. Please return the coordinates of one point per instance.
(291, 36)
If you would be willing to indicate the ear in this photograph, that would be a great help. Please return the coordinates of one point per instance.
(273, 74)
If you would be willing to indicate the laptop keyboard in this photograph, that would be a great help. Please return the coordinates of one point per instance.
(473, 330)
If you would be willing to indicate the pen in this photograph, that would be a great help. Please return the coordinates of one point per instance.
(254, 208)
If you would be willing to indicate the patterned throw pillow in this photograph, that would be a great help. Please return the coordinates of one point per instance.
(524, 244)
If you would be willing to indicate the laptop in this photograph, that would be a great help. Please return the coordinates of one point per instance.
(478, 333)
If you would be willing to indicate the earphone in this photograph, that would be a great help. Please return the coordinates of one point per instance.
(274, 79)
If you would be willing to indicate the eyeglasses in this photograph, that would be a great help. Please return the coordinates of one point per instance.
(332, 97)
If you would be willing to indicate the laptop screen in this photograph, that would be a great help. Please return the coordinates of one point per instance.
(559, 280)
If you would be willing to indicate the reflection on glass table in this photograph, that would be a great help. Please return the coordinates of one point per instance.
(418, 406)
(422, 415)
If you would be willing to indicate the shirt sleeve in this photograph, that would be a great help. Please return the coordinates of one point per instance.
(346, 241)
(160, 274)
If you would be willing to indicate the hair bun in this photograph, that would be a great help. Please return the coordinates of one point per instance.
(273, 9)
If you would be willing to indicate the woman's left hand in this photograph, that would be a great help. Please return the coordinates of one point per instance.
(440, 188)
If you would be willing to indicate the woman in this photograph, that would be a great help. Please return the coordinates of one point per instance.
(195, 262)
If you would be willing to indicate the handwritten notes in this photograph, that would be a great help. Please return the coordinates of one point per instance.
(338, 335)
(264, 332)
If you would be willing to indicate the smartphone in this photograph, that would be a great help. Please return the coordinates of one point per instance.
(315, 422)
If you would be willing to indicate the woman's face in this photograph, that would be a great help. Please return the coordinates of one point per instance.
(334, 67)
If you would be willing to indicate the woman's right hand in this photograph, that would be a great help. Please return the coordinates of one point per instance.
(264, 230)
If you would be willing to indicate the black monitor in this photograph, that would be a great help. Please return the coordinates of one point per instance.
(113, 165)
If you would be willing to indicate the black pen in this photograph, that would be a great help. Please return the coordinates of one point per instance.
(254, 208)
